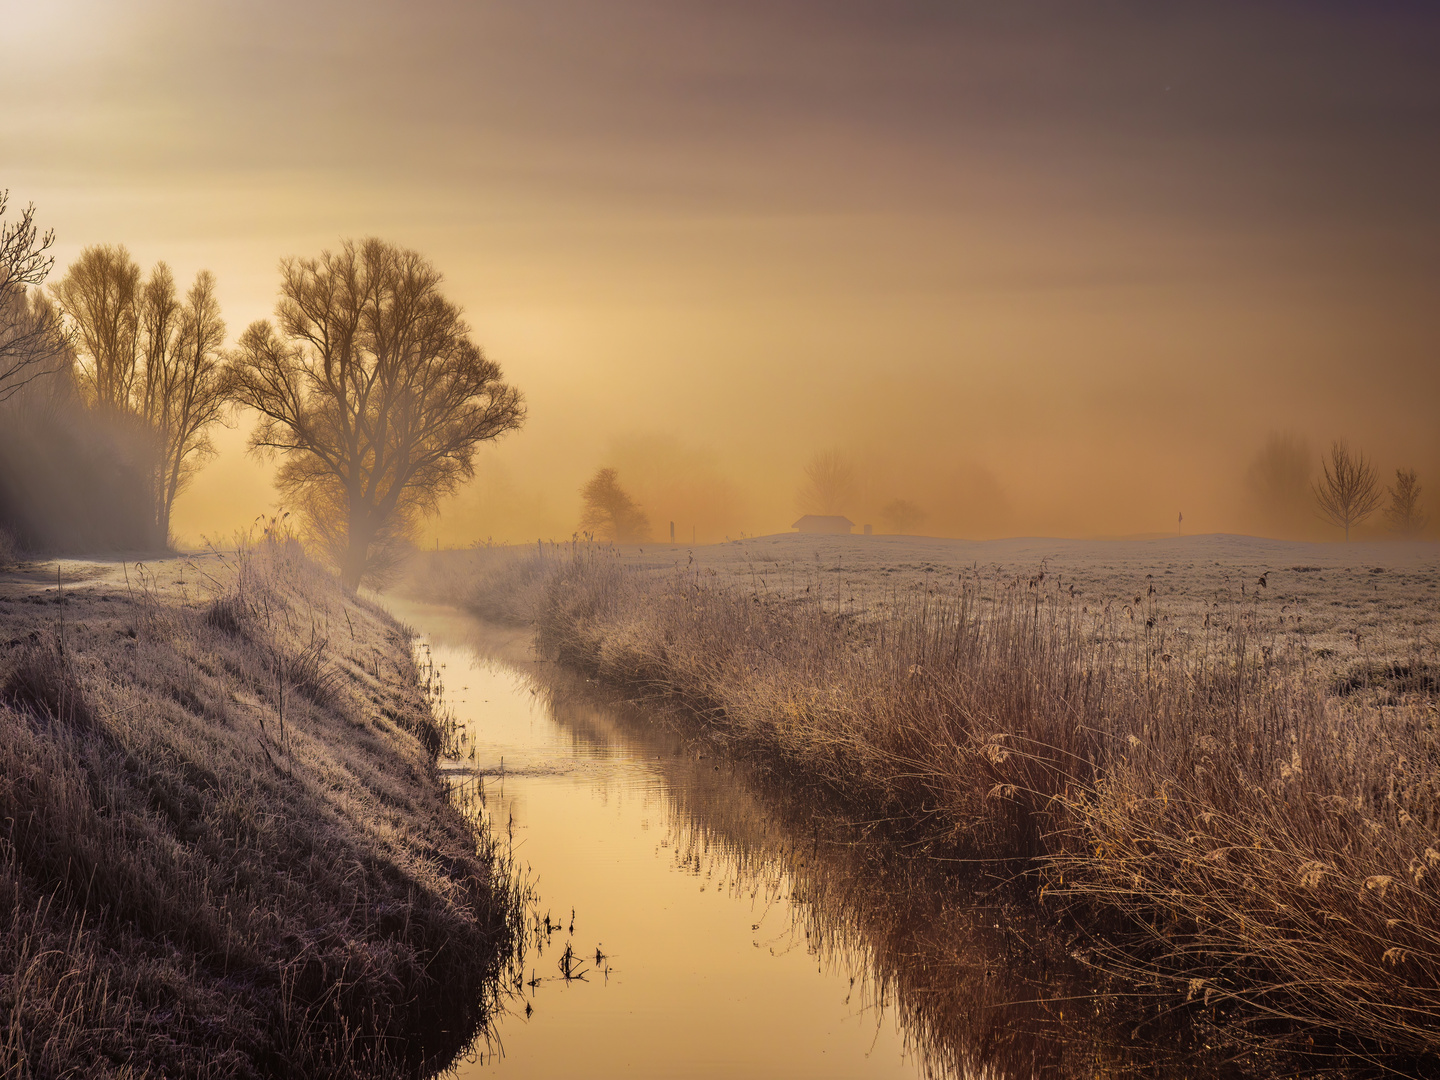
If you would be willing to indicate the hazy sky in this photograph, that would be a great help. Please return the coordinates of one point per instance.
(1038, 268)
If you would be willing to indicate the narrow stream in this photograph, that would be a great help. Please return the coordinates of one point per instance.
(705, 972)
(735, 938)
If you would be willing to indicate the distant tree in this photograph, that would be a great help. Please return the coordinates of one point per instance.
(1349, 491)
(146, 356)
(373, 395)
(1404, 514)
(609, 513)
(1278, 482)
(901, 516)
(31, 338)
(829, 484)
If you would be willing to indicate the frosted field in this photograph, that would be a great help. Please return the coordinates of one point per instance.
(1343, 604)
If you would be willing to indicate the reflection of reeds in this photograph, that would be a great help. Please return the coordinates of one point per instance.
(978, 982)
(1254, 851)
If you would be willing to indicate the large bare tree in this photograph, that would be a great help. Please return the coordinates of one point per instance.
(374, 396)
(1349, 490)
(146, 355)
(31, 338)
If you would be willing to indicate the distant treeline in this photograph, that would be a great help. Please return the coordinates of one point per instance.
(108, 383)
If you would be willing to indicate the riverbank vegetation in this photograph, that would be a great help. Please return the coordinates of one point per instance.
(1250, 845)
(224, 846)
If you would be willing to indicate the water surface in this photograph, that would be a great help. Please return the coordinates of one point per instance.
(707, 968)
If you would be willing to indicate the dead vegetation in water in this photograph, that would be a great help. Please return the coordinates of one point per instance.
(224, 850)
(1252, 850)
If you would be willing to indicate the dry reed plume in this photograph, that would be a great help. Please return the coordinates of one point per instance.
(1252, 849)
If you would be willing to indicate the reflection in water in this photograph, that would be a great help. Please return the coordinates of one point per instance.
(723, 926)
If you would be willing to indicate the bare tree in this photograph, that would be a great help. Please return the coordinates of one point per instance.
(100, 293)
(1278, 483)
(1404, 513)
(1349, 491)
(373, 394)
(186, 380)
(609, 513)
(31, 338)
(902, 516)
(144, 354)
(829, 484)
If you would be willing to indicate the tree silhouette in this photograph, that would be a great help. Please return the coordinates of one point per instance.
(32, 341)
(1349, 491)
(147, 356)
(902, 516)
(374, 396)
(1278, 482)
(1404, 513)
(829, 484)
(609, 513)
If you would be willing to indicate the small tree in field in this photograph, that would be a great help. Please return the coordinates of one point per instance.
(902, 516)
(1349, 491)
(1278, 483)
(1404, 514)
(609, 513)
(374, 396)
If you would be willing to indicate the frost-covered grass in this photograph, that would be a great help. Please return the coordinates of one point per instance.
(224, 846)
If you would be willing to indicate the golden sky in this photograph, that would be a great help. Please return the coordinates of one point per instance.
(1037, 268)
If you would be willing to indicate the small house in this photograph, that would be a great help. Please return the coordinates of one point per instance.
(823, 523)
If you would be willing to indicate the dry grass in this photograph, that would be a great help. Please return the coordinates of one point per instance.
(500, 584)
(1252, 848)
(224, 847)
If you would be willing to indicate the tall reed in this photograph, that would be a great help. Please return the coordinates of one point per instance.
(1248, 846)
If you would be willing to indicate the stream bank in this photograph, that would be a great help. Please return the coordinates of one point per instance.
(225, 849)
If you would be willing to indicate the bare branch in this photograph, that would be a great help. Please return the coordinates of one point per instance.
(32, 341)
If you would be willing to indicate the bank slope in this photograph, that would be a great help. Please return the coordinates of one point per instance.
(224, 847)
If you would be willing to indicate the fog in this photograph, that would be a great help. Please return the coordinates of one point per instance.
(72, 480)
(1030, 271)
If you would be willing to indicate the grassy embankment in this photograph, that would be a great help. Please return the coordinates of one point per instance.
(1251, 848)
(224, 847)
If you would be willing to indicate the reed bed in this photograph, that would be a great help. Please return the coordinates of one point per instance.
(1249, 847)
(225, 849)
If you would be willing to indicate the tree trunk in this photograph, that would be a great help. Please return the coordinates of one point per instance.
(357, 548)
(352, 567)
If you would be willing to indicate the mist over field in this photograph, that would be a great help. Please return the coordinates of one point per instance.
(1032, 271)
(661, 537)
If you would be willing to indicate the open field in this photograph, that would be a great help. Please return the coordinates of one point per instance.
(1348, 602)
(225, 849)
(1234, 787)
